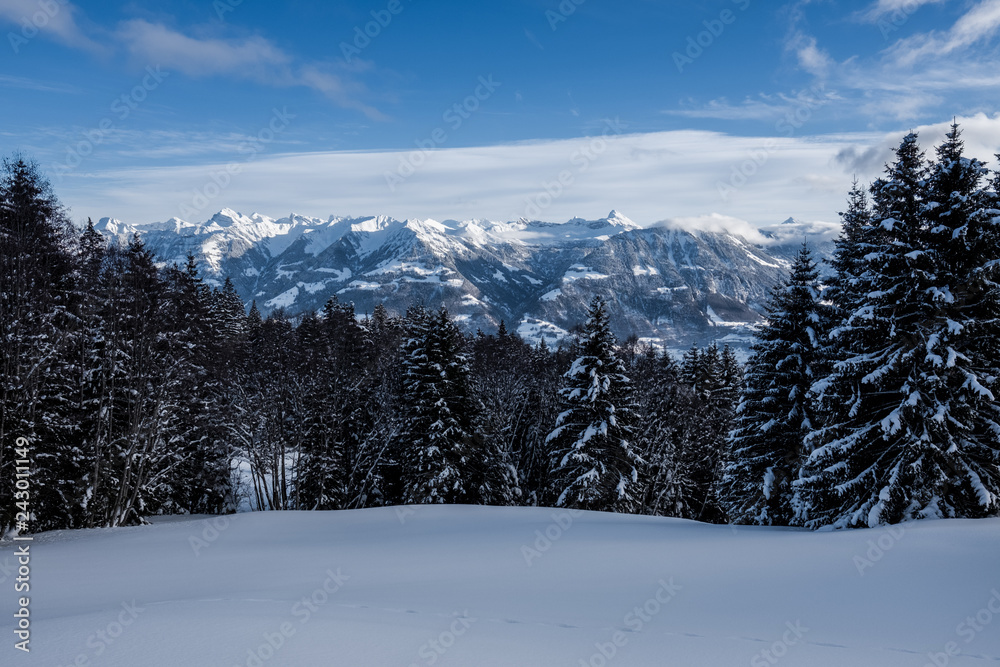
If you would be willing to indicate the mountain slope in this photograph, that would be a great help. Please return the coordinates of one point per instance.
(666, 284)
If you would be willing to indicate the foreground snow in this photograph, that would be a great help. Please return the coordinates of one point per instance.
(484, 586)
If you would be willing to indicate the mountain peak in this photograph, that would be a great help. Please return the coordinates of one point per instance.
(113, 227)
(616, 218)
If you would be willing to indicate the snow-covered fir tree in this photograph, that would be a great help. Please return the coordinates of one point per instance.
(512, 402)
(228, 312)
(672, 427)
(849, 253)
(336, 407)
(912, 414)
(775, 414)
(37, 328)
(595, 465)
(963, 338)
(441, 453)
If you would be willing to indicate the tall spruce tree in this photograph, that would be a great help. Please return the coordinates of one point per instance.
(909, 392)
(442, 457)
(963, 334)
(595, 465)
(767, 448)
(673, 433)
(850, 249)
(338, 410)
(37, 325)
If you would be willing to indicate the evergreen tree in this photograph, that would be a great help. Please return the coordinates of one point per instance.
(440, 453)
(228, 312)
(36, 330)
(594, 462)
(515, 404)
(337, 407)
(851, 247)
(910, 393)
(254, 321)
(199, 475)
(671, 434)
(767, 448)
(962, 343)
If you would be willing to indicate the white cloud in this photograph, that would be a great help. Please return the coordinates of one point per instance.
(8, 81)
(253, 58)
(154, 43)
(979, 23)
(811, 57)
(652, 177)
(714, 222)
(762, 107)
(787, 231)
(890, 9)
(981, 134)
(952, 70)
(648, 176)
(58, 19)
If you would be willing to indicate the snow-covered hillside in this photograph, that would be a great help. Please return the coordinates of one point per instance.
(507, 586)
(666, 283)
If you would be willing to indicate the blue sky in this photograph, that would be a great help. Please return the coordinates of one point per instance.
(460, 109)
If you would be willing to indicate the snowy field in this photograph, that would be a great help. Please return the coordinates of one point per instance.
(490, 586)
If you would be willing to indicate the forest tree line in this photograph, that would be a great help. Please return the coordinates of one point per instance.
(869, 398)
(145, 391)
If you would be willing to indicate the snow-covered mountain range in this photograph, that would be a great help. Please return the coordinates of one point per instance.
(666, 283)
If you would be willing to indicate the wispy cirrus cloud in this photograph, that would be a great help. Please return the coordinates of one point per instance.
(649, 177)
(804, 46)
(979, 24)
(916, 75)
(154, 42)
(883, 9)
(763, 107)
(7, 81)
(62, 21)
(253, 57)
